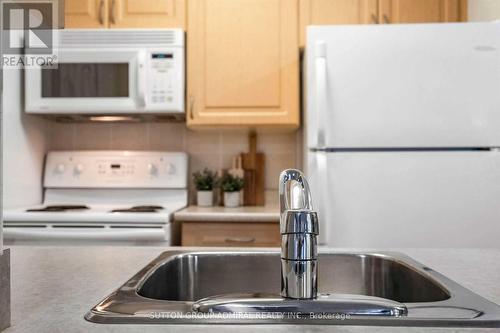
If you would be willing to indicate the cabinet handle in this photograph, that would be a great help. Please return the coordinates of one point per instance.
(375, 19)
(386, 19)
(191, 107)
(101, 12)
(245, 240)
(112, 12)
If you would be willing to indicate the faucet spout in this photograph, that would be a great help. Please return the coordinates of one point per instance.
(294, 191)
(299, 233)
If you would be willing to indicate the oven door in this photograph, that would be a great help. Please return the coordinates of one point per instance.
(88, 81)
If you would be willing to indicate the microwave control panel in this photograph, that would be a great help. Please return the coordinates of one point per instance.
(165, 76)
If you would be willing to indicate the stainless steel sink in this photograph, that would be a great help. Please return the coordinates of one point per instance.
(166, 289)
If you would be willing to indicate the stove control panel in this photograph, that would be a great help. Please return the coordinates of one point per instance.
(116, 169)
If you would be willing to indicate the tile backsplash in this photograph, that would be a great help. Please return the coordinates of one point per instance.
(212, 149)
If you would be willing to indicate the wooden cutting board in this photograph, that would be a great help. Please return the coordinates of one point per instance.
(253, 164)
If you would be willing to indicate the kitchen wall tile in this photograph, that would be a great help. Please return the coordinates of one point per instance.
(211, 149)
(272, 198)
(167, 136)
(234, 142)
(200, 161)
(90, 136)
(227, 160)
(62, 136)
(203, 142)
(275, 163)
(129, 136)
(278, 142)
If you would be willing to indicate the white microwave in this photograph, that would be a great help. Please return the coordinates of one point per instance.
(102, 72)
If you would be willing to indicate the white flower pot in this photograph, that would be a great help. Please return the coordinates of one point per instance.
(231, 199)
(205, 198)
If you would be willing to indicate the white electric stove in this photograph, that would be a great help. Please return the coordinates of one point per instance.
(103, 197)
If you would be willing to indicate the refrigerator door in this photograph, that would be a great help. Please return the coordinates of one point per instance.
(407, 199)
(408, 85)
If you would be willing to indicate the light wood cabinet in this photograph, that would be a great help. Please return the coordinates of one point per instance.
(323, 12)
(147, 13)
(420, 11)
(125, 13)
(86, 13)
(238, 234)
(243, 63)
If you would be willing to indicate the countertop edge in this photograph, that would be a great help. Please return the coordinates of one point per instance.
(221, 214)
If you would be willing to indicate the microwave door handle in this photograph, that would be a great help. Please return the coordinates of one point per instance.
(141, 78)
(321, 93)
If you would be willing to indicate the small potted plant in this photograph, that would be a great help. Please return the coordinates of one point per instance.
(232, 185)
(205, 181)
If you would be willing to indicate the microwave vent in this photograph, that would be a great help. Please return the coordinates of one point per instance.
(91, 38)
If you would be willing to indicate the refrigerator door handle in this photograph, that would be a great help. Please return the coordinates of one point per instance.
(321, 93)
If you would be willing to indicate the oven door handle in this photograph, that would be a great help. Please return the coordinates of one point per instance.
(85, 234)
(141, 78)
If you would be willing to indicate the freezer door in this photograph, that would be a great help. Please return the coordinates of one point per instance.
(411, 85)
(407, 199)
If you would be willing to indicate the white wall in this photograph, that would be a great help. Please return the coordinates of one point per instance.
(25, 140)
(483, 10)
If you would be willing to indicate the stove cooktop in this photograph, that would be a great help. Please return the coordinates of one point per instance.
(66, 208)
(138, 209)
(58, 208)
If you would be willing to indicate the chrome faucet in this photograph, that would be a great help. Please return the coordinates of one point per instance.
(299, 233)
(299, 268)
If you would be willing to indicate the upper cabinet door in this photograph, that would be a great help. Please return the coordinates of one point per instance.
(86, 13)
(323, 12)
(243, 63)
(418, 11)
(147, 13)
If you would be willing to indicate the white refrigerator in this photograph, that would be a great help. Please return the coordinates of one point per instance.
(402, 129)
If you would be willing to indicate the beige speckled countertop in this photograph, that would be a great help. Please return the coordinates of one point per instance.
(53, 287)
(268, 213)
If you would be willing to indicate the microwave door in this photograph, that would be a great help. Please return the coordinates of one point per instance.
(88, 82)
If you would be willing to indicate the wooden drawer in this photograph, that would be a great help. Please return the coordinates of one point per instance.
(242, 234)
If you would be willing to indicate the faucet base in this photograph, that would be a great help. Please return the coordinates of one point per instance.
(299, 279)
(326, 304)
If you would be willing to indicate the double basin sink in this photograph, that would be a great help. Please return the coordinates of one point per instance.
(176, 287)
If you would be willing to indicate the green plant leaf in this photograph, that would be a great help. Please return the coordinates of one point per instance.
(205, 180)
(232, 183)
